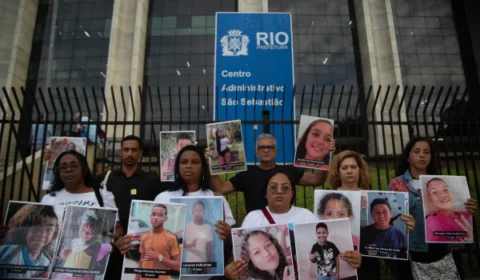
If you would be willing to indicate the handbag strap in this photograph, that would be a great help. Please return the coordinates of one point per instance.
(268, 216)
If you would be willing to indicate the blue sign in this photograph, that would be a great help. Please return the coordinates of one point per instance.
(254, 76)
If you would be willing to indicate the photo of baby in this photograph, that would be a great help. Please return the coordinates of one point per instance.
(27, 249)
(383, 234)
(446, 218)
(313, 145)
(319, 246)
(267, 251)
(171, 142)
(84, 247)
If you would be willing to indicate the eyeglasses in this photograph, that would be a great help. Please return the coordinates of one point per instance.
(275, 189)
(266, 148)
(63, 168)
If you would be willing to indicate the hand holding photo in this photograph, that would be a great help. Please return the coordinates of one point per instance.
(28, 246)
(266, 250)
(446, 217)
(171, 142)
(227, 152)
(383, 234)
(314, 141)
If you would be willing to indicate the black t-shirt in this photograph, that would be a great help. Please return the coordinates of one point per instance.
(252, 182)
(326, 258)
(141, 185)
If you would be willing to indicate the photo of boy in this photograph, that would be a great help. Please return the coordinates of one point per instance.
(27, 248)
(325, 254)
(171, 142)
(446, 218)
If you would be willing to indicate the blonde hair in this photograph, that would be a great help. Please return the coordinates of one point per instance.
(334, 174)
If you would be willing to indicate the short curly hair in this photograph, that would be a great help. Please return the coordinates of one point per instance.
(27, 216)
(252, 271)
(334, 173)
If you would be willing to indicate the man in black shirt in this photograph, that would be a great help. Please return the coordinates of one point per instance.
(252, 181)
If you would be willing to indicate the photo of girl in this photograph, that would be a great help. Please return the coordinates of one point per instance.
(339, 205)
(171, 142)
(320, 247)
(84, 247)
(266, 252)
(227, 153)
(446, 218)
(313, 145)
(29, 242)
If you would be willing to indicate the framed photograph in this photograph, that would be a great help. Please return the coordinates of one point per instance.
(383, 234)
(313, 143)
(318, 248)
(227, 152)
(446, 218)
(267, 250)
(59, 145)
(158, 230)
(171, 142)
(202, 247)
(28, 248)
(329, 204)
(84, 245)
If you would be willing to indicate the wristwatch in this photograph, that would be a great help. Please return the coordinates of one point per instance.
(160, 258)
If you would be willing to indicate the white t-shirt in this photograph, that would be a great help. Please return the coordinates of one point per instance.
(295, 215)
(203, 233)
(63, 198)
(223, 143)
(416, 184)
(164, 197)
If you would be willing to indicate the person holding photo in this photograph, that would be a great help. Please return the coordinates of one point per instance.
(427, 260)
(382, 234)
(159, 248)
(30, 241)
(183, 139)
(445, 218)
(265, 257)
(325, 254)
(198, 239)
(221, 142)
(337, 206)
(85, 252)
(313, 148)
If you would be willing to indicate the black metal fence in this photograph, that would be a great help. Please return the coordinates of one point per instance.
(375, 121)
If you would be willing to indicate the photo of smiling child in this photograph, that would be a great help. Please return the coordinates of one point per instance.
(225, 142)
(446, 218)
(383, 234)
(313, 144)
(266, 250)
(84, 247)
(27, 248)
(171, 142)
(330, 205)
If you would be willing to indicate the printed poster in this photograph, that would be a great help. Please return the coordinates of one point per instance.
(227, 152)
(446, 218)
(171, 142)
(157, 229)
(33, 229)
(313, 144)
(58, 145)
(202, 246)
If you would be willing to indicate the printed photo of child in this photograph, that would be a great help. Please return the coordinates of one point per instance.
(158, 232)
(84, 246)
(446, 218)
(29, 242)
(171, 142)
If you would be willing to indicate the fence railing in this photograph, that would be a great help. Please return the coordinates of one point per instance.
(375, 121)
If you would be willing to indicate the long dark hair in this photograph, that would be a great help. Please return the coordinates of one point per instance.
(204, 180)
(88, 180)
(252, 271)
(302, 149)
(217, 140)
(403, 165)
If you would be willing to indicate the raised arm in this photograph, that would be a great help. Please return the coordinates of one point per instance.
(317, 178)
(222, 187)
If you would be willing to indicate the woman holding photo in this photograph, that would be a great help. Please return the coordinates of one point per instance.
(428, 261)
(313, 147)
(350, 172)
(30, 241)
